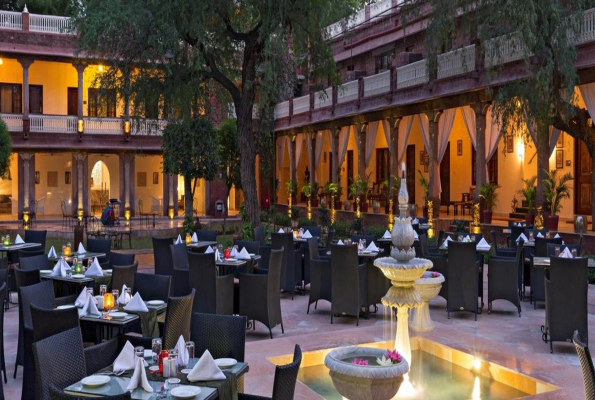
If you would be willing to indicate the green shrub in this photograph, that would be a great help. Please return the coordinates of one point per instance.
(265, 216)
(243, 213)
(377, 230)
(306, 222)
(341, 229)
(324, 216)
(247, 231)
(282, 220)
(357, 226)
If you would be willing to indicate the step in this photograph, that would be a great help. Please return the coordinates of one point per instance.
(516, 215)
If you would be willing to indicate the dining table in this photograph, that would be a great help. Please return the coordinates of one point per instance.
(230, 265)
(544, 262)
(88, 255)
(14, 246)
(200, 244)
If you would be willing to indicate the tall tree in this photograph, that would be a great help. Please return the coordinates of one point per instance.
(5, 149)
(229, 158)
(246, 46)
(541, 32)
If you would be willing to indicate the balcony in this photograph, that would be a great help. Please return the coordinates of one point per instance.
(52, 123)
(503, 50)
(456, 62)
(14, 122)
(347, 92)
(36, 23)
(377, 84)
(301, 104)
(412, 74)
(11, 20)
(324, 98)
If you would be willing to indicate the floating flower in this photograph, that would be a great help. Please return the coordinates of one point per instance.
(394, 356)
(384, 362)
(360, 361)
(428, 275)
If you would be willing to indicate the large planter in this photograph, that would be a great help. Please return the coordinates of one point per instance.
(363, 206)
(364, 382)
(347, 205)
(552, 222)
(530, 219)
(487, 217)
(338, 204)
(314, 201)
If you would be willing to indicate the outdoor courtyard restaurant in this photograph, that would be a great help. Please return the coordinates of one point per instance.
(410, 241)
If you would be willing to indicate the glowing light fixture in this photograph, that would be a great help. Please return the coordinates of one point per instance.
(127, 127)
(79, 126)
(1, 61)
(100, 68)
(520, 149)
(476, 364)
(170, 213)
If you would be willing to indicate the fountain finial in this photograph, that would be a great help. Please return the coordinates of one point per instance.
(402, 234)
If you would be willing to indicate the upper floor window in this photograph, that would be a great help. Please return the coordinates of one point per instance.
(11, 95)
(410, 49)
(383, 62)
(102, 103)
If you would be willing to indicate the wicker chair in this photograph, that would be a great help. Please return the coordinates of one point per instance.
(423, 245)
(584, 356)
(47, 322)
(206, 236)
(214, 294)
(259, 295)
(152, 287)
(162, 255)
(179, 278)
(223, 335)
(101, 355)
(502, 281)
(435, 249)
(100, 246)
(538, 273)
(502, 251)
(123, 275)
(251, 247)
(265, 256)
(29, 253)
(285, 378)
(59, 360)
(37, 262)
(3, 289)
(463, 275)
(440, 262)
(32, 236)
(566, 300)
(26, 278)
(117, 258)
(348, 282)
(291, 269)
(320, 275)
(58, 394)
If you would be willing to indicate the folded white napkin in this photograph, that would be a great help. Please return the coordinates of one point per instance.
(519, 224)
(81, 249)
(124, 297)
(340, 242)
(415, 221)
(94, 269)
(557, 236)
(183, 356)
(205, 369)
(178, 240)
(217, 255)
(280, 230)
(386, 235)
(233, 253)
(19, 239)
(566, 253)
(372, 247)
(61, 269)
(483, 244)
(52, 253)
(89, 308)
(139, 378)
(125, 360)
(467, 239)
(194, 239)
(82, 299)
(415, 235)
(243, 255)
(539, 235)
(522, 236)
(136, 304)
(307, 235)
(209, 250)
(448, 239)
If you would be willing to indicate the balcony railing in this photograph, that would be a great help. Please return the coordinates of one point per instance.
(105, 126)
(51, 24)
(282, 110)
(412, 74)
(347, 92)
(146, 127)
(14, 122)
(503, 49)
(11, 20)
(357, 19)
(380, 8)
(586, 30)
(52, 123)
(324, 98)
(301, 104)
(377, 84)
(456, 62)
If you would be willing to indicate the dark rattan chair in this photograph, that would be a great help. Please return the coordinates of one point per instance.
(423, 244)
(59, 360)
(291, 268)
(252, 247)
(368, 238)
(32, 236)
(58, 394)
(3, 289)
(117, 258)
(348, 282)
(551, 248)
(179, 278)
(36, 262)
(285, 378)
(502, 281)
(502, 251)
(29, 253)
(47, 322)
(26, 278)
(584, 356)
(100, 246)
(537, 274)
(320, 275)
(101, 355)
(206, 236)
(123, 275)
(259, 235)
(259, 295)
(463, 276)
(152, 287)
(162, 255)
(223, 335)
(435, 248)
(214, 294)
(566, 300)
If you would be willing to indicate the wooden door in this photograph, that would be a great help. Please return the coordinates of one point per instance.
(349, 169)
(445, 176)
(583, 171)
(410, 166)
(36, 99)
(73, 101)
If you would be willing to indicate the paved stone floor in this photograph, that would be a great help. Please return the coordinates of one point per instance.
(500, 337)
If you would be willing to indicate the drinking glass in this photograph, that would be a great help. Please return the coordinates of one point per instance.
(102, 289)
(190, 348)
(139, 352)
(364, 243)
(173, 369)
(461, 237)
(531, 236)
(557, 250)
(116, 294)
(156, 348)
(574, 253)
(472, 238)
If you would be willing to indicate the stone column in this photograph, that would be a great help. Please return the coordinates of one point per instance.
(26, 183)
(360, 140)
(80, 183)
(480, 150)
(127, 183)
(25, 63)
(393, 148)
(335, 152)
(434, 167)
(80, 69)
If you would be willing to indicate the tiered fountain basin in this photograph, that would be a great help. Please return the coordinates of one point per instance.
(402, 275)
(428, 287)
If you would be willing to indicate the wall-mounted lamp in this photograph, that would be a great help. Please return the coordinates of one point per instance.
(170, 213)
(100, 68)
(127, 127)
(79, 126)
(520, 149)
(1, 61)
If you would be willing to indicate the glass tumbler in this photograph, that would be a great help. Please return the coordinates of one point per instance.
(102, 290)
(116, 294)
(173, 355)
(190, 349)
(139, 352)
(574, 253)
(156, 348)
(557, 250)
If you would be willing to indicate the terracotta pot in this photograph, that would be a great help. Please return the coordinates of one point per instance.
(552, 222)
(530, 219)
(338, 204)
(487, 217)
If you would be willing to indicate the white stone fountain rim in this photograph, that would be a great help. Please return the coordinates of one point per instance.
(334, 363)
(430, 281)
(415, 263)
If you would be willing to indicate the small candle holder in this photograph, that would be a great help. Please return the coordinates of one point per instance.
(7, 240)
(188, 238)
(108, 301)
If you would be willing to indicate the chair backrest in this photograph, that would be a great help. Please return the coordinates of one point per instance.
(3, 287)
(286, 376)
(223, 335)
(285, 241)
(177, 319)
(207, 236)
(441, 237)
(99, 246)
(25, 278)
(34, 262)
(162, 255)
(579, 250)
(29, 253)
(58, 394)
(40, 295)
(515, 232)
(368, 238)
(541, 245)
(118, 258)
(3, 262)
(251, 246)
(423, 242)
(274, 274)
(47, 322)
(584, 356)
(59, 360)
(330, 236)
(551, 248)
(202, 277)
(345, 279)
(494, 235)
(259, 235)
(152, 287)
(36, 237)
(313, 249)
(123, 275)
(462, 273)
(179, 256)
(315, 231)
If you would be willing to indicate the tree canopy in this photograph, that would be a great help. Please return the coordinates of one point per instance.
(49, 7)
(5, 149)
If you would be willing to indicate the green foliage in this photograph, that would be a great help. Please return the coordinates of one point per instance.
(459, 226)
(47, 7)
(265, 216)
(342, 229)
(306, 222)
(556, 190)
(282, 220)
(295, 213)
(392, 182)
(377, 230)
(307, 190)
(292, 187)
(5, 149)
(243, 213)
(425, 185)
(247, 231)
(334, 189)
(529, 192)
(229, 153)
(488, 192)
(324, 215)
(357, 226)
(188, 225)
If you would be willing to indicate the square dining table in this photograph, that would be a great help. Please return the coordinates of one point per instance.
(81, 256)
(14, 247)
(201, 244)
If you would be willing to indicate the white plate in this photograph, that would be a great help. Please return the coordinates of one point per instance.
(45, 271)
(186, 371)
(118, 315)
(78, 276)
(154, 368)
(185, 392)
(225, 362)
(107, 271)
(155, 302)
(95, 380)
(251, 254)
(230, 259)
(65, 307)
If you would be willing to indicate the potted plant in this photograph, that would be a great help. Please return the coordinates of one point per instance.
(425, 185)
(529, 193)
(391, 182)
(307, 190)
(556, 190)
(335, 191)
(363, 185)
(314, 194)
(292, 188)
(488, 192)
(295, 216)
(353, 193)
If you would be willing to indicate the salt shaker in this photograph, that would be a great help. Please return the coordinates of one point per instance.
(166, 366)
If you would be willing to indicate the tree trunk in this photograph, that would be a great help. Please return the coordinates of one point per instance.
(225, 209)
(188, 199)
(592, 154)
(248, 161)
(543, 167)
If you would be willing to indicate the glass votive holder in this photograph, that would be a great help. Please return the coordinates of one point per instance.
(156, 348)
(90, 290)
(460, 238)
(557, 251)
(574, 253)
(102, 289)
(139, 352)
(472, 237)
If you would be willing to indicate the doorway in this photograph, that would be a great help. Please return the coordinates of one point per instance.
(410, 162)
(583, 171)
(73, 101)
(445, 177)
(100, 187)
(36, 99)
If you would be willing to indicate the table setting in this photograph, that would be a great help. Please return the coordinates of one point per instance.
(481, 247)
(6, 245)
